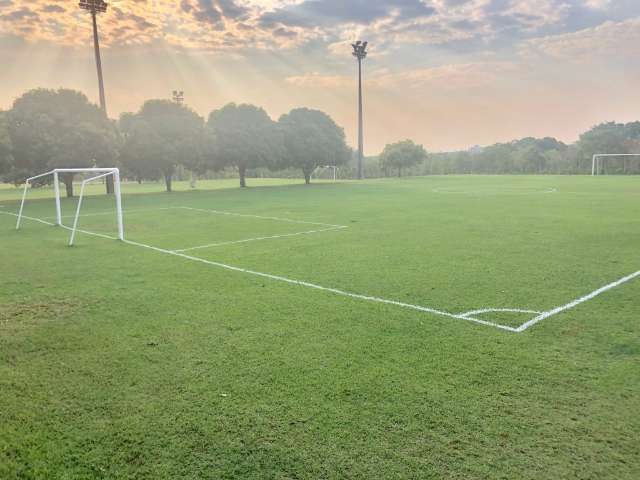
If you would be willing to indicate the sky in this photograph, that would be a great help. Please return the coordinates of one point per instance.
(448, 74)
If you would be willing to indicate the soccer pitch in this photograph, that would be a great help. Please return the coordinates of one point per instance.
(444, 327)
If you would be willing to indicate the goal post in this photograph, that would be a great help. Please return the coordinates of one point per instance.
(98, 173)
(598, 160)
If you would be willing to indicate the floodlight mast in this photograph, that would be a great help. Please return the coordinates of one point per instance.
(360, 52)
(94, 7)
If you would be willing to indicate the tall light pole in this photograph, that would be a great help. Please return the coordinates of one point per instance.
(360, 52)
(94, 7)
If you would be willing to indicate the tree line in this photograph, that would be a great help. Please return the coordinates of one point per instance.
(524, 156)
(48, 129)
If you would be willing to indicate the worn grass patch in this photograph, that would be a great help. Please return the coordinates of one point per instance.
(23, 313)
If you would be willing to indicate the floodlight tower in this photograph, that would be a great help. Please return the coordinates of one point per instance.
(178, 97)
(360, 52)
(95, 7)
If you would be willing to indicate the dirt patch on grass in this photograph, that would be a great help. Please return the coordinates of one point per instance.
(28, 313)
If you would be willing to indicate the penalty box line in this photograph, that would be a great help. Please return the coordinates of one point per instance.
(218, 212)
(287, 280)
(111, 212)
(247, 240)
(464, 316)
(279, 219)
(329, 227)
(321, 288)
(202, 210)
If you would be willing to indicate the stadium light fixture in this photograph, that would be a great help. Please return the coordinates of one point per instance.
(360, 52)
(178, 97)
(94, 7)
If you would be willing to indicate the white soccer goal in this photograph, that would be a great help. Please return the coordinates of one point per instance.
(320, 169)
(94, 174)
(598, 160)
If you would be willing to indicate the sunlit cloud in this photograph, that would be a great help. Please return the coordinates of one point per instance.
(234, 24)
(494, 68)
(605, 42)
(454, 76)
(191, 24)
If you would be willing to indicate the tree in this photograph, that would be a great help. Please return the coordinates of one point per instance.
(59, 129)
(140, 149)
(312, 139)
(400, 155)
(160, 136)
(604, 138)
(245, 137)
(6, 158)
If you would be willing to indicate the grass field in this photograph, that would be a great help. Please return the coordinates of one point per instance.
(414, 328)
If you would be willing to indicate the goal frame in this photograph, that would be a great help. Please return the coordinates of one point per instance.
(100, 173)
(596, 163)
(334, 168)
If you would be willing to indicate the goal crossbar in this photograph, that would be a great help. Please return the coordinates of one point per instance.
(596, 164)
(101, 173)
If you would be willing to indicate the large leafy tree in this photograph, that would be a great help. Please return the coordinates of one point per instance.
(58, 129)
(402, 155)
(162, 135)
(312, 139)
(610, 137)
(245, 137)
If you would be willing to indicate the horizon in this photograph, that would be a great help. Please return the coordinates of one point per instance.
(448, 74)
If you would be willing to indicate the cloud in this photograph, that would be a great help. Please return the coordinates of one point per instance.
(597, 4)
(318, 80)
(231, 25)
(608, 41)
(452, 76)
(191, 24)
(336, 12)
(21, 15)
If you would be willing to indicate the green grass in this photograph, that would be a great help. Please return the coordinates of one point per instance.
(118, 361)
(11, 192)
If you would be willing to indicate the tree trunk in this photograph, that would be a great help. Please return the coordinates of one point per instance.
(68, 184)
(109, 184)
(242, 170)
(167, 181)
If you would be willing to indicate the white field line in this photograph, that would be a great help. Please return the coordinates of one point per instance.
(279, 219)
(494, 192)
(29, 218)
(247, 240)
(577, 301)
(289, 280)
(33, 219)
(112, 212)
(319, 287)
(465, 316)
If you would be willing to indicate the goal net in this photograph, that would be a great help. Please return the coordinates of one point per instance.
(86, 176)
(599, 159)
